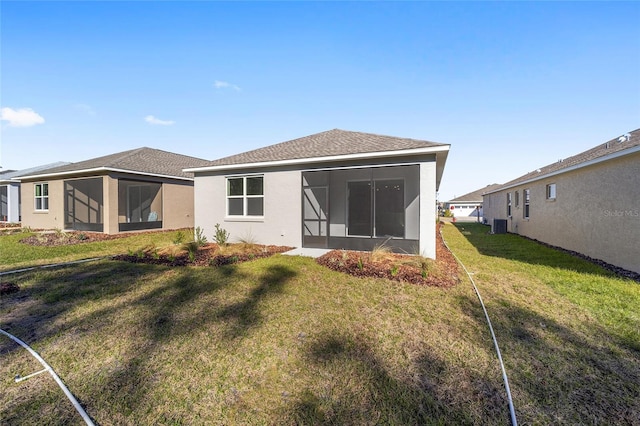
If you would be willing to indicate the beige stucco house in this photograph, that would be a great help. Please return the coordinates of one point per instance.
(588, 203)
(10, 209)
(335, 189)
(134, 190)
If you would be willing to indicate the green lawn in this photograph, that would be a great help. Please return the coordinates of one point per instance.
(14, 255)
(285, 341)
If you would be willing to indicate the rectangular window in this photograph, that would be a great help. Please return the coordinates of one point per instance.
(41, 196)
(551, 191)
(508, 204)
(517, 193)
(245, 196)
(526, 195)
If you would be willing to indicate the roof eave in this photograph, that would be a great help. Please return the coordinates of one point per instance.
(604, 158)
(98, 170)
(302, 161)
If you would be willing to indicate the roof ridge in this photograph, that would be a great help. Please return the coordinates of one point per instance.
(125, 154)
(615, 145)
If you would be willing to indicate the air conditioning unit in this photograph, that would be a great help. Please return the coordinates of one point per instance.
(499, 226)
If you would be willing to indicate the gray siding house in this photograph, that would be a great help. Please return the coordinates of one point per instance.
(10, 199)
(335, 189)
(588, 203)
(133, 190)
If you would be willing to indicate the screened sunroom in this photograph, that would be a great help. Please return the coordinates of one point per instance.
(139, 205)
(361, 208)
(83, 204)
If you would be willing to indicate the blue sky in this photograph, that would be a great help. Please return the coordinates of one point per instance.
(512, 86)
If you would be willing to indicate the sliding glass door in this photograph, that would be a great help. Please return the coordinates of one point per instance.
(375, 208)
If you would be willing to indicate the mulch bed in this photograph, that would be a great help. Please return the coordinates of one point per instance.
(442, 272)
(8, 288)
(207, 255)
(49, 239)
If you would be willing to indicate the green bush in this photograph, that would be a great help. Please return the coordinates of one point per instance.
(221, 235)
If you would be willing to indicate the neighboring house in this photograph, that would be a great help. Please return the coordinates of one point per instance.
(335, 189)
(10, 200)
(134, 190)
(588, 203)
(468, 207)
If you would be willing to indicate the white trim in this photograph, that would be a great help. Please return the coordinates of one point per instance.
(244, 197)
(608, 157)
(41, 197)
(97, 169)
(296, 161)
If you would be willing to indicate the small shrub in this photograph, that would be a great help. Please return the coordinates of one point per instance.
(248, 238)
(424, 268)
(200, 238)
(394, 270)
(360, 265)
(192, 249)
(26, 229)
(179, 238)
(221, 235)
(380, 251)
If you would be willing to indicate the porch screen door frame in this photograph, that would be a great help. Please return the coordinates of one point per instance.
(315, 216)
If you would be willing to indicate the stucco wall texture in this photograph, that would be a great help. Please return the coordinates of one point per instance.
(596, 211)
(177, 205)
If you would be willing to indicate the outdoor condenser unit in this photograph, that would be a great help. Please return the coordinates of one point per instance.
(499, 226)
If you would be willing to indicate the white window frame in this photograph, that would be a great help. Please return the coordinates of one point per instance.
(245, 197)
(41, 197)
(526, 195)
(551, 191)
(509, 211)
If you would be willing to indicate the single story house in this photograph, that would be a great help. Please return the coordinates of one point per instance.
(10, 209)
(335, 189)
(133, 190)
(468, 207)
(588, 203)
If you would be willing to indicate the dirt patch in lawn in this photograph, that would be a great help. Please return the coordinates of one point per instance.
(206, 255)
(62, 238)
(442, 272)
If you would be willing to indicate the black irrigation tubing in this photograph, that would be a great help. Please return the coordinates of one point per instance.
(512, 410)
(53, 265)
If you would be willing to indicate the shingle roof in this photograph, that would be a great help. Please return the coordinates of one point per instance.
(10, 174)
(334, 142)
(475, 196)
(616, 145)
(141, 160)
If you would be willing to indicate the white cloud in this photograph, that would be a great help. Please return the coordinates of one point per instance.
(152, 120)
(22, 117)
(225, 85)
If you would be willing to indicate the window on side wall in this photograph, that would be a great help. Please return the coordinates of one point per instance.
(526, 194)
(41, 191)
(551, 191)
(517, 196)
(508, 204)
(245, 196)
